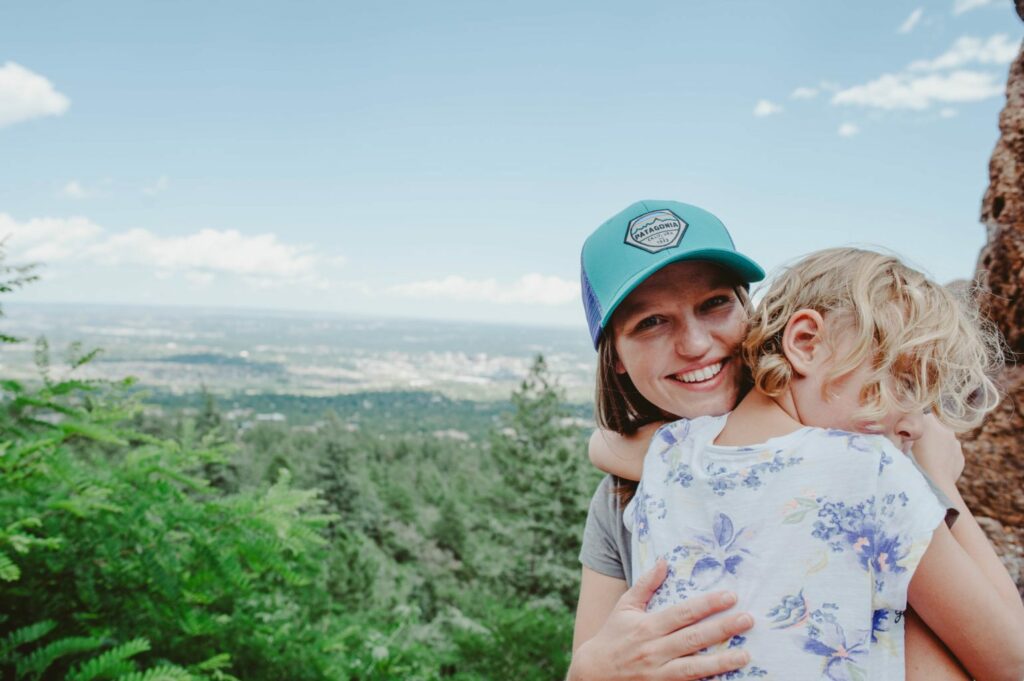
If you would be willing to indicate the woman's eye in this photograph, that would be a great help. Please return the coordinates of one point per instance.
(647, 322)
(716, 301)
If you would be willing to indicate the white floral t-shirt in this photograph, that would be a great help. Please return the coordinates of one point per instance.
(818, 532)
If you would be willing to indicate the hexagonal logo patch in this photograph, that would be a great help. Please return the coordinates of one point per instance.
(655, 231)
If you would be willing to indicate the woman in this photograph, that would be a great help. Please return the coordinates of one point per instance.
(664, 290)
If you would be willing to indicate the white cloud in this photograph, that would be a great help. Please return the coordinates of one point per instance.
(920, 85)
(25, 95)
(533, 289)
(766, 108)
(261, 260)
(75, 190)
(848, 130)
(961, 6)
(48, 240)
(161, 185)
(998, 49)
(910, 22)
(948, 112)
(804, 93)
(209, 250)
(903, 91)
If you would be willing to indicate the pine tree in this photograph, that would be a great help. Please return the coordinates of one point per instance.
(547, 480)
(335, 480)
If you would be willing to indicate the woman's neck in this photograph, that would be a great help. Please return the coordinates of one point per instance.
(758, 418)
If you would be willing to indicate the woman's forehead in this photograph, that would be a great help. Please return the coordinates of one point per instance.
(688, 278)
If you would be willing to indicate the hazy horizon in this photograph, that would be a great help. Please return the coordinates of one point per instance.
(182, 350)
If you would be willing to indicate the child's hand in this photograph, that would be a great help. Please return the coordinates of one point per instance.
(938, 452)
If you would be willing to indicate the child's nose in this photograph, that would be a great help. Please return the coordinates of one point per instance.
(910, 426)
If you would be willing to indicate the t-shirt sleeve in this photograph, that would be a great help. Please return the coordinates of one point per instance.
(906, 513)
(951, 510)
(599, 551)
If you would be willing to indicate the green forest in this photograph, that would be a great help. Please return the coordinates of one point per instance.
(148, 544)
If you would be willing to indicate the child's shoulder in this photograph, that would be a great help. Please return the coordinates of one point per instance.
(674, 432)
(872, 447)
(853, 441)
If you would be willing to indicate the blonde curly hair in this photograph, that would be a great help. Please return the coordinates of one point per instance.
(928, 348)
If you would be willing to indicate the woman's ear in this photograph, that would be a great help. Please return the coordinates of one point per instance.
(803, 341)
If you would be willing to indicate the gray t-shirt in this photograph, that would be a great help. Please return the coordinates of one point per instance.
(605, 546)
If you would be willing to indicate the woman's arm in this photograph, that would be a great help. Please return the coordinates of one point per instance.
(983, 628)
(939, 454)
(926, 657)
(616, 639)
(622, 455)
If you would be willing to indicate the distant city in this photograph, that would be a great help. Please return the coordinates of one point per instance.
(246, 352)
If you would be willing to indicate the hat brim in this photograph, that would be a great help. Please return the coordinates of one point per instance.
(746, 269)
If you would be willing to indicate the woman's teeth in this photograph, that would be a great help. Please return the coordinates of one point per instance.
(698, 375)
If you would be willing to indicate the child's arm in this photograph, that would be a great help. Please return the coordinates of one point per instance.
(981, 626)
(622, 455)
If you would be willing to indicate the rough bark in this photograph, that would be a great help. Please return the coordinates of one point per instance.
(993, 480)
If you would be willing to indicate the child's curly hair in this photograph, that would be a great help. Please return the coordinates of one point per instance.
(929, 349)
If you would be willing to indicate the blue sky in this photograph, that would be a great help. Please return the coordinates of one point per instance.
(446, 160)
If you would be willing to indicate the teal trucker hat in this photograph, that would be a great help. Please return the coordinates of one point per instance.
(640, 240)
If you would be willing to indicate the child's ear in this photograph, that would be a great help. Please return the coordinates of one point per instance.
(802, 340)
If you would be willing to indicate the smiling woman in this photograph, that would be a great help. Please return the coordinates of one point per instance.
(667, 316)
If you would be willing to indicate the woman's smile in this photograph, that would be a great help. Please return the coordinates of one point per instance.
(701, 375)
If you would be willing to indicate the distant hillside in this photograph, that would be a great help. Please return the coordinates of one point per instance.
(378, 412)
(233, 352)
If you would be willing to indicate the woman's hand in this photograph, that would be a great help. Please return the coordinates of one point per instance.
(637, 645)
(939, 454)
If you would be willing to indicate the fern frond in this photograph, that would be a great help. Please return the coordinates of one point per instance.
(39, 660)
(20, 637)
(161, 673)
(111, 664)
(215, 663)
(69, 386)
(92, 431)
(23, 401)
(11, 385)
(9, 571)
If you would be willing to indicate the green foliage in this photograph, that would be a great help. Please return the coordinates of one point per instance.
(12, 278)
(547, 481)
(76, 658)
(143, 546)
(109, 530)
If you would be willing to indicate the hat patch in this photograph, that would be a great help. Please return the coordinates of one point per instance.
(655, 231)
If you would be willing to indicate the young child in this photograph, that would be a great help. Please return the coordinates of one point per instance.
(802, 501)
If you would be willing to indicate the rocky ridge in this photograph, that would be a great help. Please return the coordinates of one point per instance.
(993, 480)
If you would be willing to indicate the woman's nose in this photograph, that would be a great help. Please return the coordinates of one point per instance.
(694, 340)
